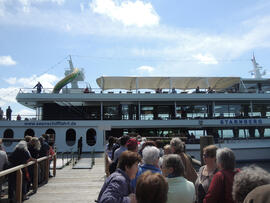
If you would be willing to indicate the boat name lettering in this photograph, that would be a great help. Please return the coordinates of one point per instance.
(240, 121)
(52, 123)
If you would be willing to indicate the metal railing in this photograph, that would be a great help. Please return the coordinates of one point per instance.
(134, 91)
(19, 174)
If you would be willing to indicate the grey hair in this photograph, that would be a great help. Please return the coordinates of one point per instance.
(225, 157)
(177, 144)
(246, 180)
(174, 161)
(150, 155)
(21, 145)
(35, 143)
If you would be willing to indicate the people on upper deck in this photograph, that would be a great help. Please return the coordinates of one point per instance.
(197, 89)
(178, 148)
(248, 179)
(206, 172)
(117, 186)
(151, 187)
(180, 189)
(8, 113)
(210, 90)
(173, 90)
(158, 90)
(86, 90)
(1, 114)
(220, 189)
(19, 117)
(39, 87)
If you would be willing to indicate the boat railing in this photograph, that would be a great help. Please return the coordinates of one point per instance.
(67, 157)
(19, 174)
(124, 91)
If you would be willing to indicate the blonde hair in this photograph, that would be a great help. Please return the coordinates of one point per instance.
(210, 151)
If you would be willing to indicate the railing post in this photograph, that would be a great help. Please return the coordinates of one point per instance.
(54, 165)
(35, 182)
(47, 168)
(19, 180)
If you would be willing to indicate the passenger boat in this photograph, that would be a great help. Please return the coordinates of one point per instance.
(236, 111)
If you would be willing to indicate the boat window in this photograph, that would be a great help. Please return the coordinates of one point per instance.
(267, 132)
(51, 133)
(70, 137)
(29, 132)
(8, 133)
(91, 137)
(111, 112)
(261, 110)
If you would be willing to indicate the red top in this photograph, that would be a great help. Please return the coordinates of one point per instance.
(220, 189)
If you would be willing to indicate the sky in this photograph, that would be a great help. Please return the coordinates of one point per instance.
(128, 38)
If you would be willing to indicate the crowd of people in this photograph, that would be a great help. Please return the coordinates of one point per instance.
(142, 171)
(29, 149)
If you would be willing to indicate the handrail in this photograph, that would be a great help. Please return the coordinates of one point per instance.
(19, 179)
(138, 91)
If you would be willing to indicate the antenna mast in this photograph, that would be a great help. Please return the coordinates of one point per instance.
(256, 72)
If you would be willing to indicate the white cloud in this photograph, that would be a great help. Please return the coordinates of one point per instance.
(8, 95)
(11, 80)
(47, 81)
(26, 113)
(7, 61)
(68, 27)
(82, 7)
(25, 6)
(162, 42)
(205, 59)
(145, 69)
(127, 12)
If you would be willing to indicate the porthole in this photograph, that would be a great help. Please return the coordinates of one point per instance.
(70, 137)
(29, 132)
(91, 137)
(8, 134)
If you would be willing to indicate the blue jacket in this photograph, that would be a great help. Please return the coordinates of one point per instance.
(141, 170)
(116, 188)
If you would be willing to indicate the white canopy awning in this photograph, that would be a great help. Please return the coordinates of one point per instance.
(133, 83)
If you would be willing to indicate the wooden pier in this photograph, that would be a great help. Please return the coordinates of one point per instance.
(72, 185)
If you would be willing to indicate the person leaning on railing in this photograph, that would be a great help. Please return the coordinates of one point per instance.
(3, 164)
(19, 156)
